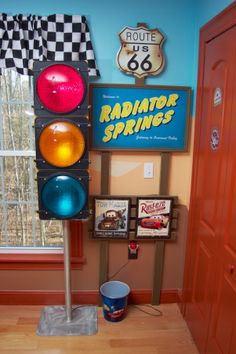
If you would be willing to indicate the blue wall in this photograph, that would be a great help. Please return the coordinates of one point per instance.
(207, 9)
(178, 20)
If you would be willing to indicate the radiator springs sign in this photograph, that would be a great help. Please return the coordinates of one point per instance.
(110, 114)
(128, 117)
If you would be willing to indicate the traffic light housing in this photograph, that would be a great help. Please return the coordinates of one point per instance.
(61, 137)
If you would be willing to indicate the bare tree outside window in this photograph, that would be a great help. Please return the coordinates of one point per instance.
(20, 225)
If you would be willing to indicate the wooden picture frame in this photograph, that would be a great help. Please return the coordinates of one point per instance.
(111, 217)
(153, 218)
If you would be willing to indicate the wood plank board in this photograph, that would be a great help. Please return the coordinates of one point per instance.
(138, 333)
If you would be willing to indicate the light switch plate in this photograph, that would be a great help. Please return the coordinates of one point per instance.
(148, 170)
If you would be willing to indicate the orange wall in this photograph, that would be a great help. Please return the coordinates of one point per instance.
(126, 178)
(127, 173)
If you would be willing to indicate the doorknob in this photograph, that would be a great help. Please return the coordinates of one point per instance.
(231, 268)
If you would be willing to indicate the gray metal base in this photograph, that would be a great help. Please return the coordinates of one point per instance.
(53, 321)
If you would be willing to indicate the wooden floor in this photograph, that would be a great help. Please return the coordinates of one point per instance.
(137, 333)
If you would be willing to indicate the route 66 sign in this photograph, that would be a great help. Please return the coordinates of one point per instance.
(140, 53)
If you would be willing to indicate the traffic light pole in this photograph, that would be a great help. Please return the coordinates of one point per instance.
(58, 320)
(67, 271)
(62, 177)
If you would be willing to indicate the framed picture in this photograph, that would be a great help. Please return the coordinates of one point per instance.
(133, 117)
(154, 218)
(111, 217)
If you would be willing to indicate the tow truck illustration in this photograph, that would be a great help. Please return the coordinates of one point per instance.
(113, 220)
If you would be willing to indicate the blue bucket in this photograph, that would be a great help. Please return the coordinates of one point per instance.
(114, 297)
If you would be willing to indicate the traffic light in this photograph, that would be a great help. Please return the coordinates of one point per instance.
(61, 136)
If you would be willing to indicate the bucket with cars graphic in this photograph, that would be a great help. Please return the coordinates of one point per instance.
(114, 298)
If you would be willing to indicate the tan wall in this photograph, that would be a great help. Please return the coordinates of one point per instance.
(127, 174)
(126, 178)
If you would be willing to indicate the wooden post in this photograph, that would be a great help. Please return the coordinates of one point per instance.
(160, 245)
(105, 189)
(163, 189)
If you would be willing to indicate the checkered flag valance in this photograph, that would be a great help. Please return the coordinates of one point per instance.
(25, 39)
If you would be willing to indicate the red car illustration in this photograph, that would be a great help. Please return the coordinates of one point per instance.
(155, 222)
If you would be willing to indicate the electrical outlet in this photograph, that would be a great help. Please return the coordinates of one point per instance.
(148, 170)
(133, 248)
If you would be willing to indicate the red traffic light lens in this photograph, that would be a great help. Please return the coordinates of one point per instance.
(60, 88)
(61, 143)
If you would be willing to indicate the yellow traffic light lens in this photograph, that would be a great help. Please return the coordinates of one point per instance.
(61, 143)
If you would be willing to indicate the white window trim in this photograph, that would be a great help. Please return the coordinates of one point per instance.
(13, 153)
(31, 250)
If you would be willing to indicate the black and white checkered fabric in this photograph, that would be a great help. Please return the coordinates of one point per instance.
(25, 39)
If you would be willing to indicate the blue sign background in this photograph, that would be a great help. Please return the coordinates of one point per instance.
(171, 136)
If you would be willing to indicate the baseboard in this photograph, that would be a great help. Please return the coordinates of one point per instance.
(8, 297)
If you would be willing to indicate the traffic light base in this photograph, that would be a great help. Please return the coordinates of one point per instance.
(53, 321)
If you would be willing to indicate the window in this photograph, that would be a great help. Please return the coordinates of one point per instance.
(21, 231)
(20, 225)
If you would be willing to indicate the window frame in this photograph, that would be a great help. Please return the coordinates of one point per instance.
(42, 260)
(38, 258)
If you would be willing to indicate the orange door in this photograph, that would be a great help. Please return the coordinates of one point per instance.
(210, 281)
(223, 320)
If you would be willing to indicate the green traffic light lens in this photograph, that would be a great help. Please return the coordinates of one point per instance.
(61, 143)
(63, 196)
